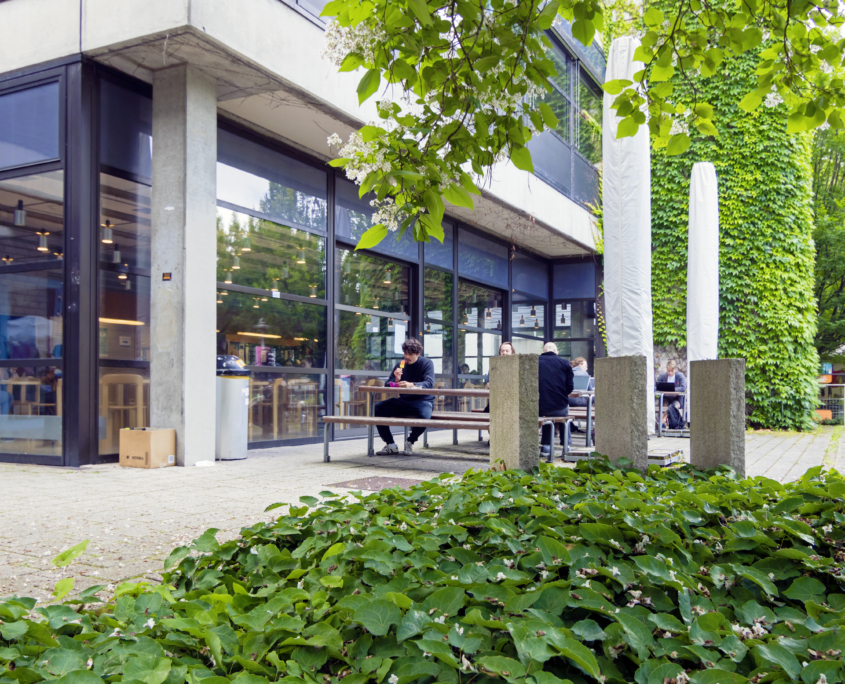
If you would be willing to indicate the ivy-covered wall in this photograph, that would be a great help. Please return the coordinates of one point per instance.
(767, 311)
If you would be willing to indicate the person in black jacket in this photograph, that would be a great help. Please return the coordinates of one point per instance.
(556, 384)
(417, 372)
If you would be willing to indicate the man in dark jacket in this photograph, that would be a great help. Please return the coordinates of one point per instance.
(556, 384)
(413, 371)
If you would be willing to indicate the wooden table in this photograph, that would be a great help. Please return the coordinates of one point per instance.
(369, 390)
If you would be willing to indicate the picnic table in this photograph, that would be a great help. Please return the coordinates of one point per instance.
(659, 396)
(449, 420)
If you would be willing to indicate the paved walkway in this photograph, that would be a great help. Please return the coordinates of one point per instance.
(133, 517)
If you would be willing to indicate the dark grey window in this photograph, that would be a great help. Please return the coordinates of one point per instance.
(440, 254)
(530, 275)
(575, 281)
(482, 259)
(29, 126)
(126, 131)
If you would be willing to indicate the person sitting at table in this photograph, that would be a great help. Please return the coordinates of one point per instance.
(556, 382)
(672, 374)
(505, 349)
(579, 370)
(418, 372)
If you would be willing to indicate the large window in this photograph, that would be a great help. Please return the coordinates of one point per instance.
(271, 271)
(479, 332)
(29, 125)
(31, 310)
(482, 259)
(125, 248)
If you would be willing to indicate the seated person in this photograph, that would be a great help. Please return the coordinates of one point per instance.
(413, 371)
(579, 369)
(505, 349)
(672, 374)
(556, 383)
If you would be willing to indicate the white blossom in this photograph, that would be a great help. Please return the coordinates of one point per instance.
(500, 577)
(403, 527)
(340, 41)
(544, 574)
(149, 624)
(300, 584)
(441, 620)
(772, 100)
(253, 551)
(393, 679)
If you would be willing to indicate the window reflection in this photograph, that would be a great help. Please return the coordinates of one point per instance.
(31, 218)
(31, 410)
(31, 323)
(30, 125)
(479, 307)
(481, 258)
(528, 317)
(589, 119)
(263, 331)
(124, 316)
(124, 222)
(260, 179)
(286, 406)
(371, 283)
(474, 353)
(575, 319)
(527, 345)
(369, 342)
(440, 253)
(124, 403)
(270, 256)
(437, 326)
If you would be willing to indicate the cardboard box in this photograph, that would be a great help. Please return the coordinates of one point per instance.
(147, 447)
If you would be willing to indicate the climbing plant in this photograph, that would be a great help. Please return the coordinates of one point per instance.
(768, 310)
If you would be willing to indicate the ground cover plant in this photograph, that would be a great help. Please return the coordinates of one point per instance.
(590, 574)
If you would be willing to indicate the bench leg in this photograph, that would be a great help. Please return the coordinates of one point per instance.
(454, 438)
(590, 421)
(567, 433)
(326, 430)
(480, 439)
(370, 411)
(551, 457)
(425, 439)
(406, 433)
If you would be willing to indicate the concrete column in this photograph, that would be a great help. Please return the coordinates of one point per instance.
(184, 243)
(717, 419)
(514, 409)
(621, 408)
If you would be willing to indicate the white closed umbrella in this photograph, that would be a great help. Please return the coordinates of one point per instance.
(703, 265)
(626, 207)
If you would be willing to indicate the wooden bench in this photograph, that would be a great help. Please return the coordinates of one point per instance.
(461, 421)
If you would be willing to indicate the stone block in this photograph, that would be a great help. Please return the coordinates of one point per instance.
(717, 414)
(622, 409)
(514, 409)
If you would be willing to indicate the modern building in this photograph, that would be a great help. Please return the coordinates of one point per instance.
(165, 198)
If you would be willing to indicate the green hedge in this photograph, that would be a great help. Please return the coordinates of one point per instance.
(768, 310)
(591, 574)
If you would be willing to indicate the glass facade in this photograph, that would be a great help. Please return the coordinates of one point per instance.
(567, 156)
(312, 318)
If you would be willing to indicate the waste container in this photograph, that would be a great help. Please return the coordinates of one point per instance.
(232, 409)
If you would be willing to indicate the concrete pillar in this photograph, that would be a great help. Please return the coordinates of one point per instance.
(514, 410)
(184, 244)
(717, 419)
(621, 408)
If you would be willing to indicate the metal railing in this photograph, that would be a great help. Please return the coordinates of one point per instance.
(832, 398)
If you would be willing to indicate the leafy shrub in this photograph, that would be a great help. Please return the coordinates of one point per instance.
(588, 574)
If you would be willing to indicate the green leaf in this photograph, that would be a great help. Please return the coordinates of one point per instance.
(616, 86)
(335, 549)
(13, 630)
(420, 9)
(333, 581)
(583, 31)
(580, 655)
(434, 204)
(806, 589)
(521, 158)
(717, 676)
(378, 616)
(455, 194)
(750, 102)
(368, 85)
(372, 237)
(79, 677)
(148, 669)
(628, 128)
(449, 600)
(678, 144)
(636, 634)
(62, 588)
(351, 62)
(67, 556)
(500, 665)
(773, 654)
(412, 624)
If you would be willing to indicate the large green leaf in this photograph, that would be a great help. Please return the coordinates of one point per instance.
(806, 589)
(378, 616)
(67, 556)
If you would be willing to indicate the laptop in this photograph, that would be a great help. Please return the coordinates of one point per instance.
(581, 382)
(665, 386)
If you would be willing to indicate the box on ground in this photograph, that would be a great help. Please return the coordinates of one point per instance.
(147, 447)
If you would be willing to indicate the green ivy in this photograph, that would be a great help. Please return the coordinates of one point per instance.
(767, 311)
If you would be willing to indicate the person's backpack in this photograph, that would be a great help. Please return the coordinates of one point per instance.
(675, 419)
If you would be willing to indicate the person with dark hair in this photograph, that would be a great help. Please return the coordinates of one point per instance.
(413, 371)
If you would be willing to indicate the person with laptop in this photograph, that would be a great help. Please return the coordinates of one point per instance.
(672, 381)
(582, 381)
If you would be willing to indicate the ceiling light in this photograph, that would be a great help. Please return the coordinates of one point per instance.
(228, 278)
(236, 263)
(563, 319)
(313, 291)
(300, 258)
(387, 280)
(390, 324)
(247, 246)
(533, 312)
(264, 299)
(108, 234)
(536, 324)
(275, 287)
(285, 271)
(489, 315)
(20, 214)
(522, 320)
(428, 327)
(275, 337)
(115, 257)
(42, 242)
(7, 259)
(120, 321)
(128, 285)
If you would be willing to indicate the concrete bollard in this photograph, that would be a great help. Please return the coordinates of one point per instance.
(717, 414)
(514, 409)
(621, 409)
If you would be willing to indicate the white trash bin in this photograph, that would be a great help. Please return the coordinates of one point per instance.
(232, 431)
